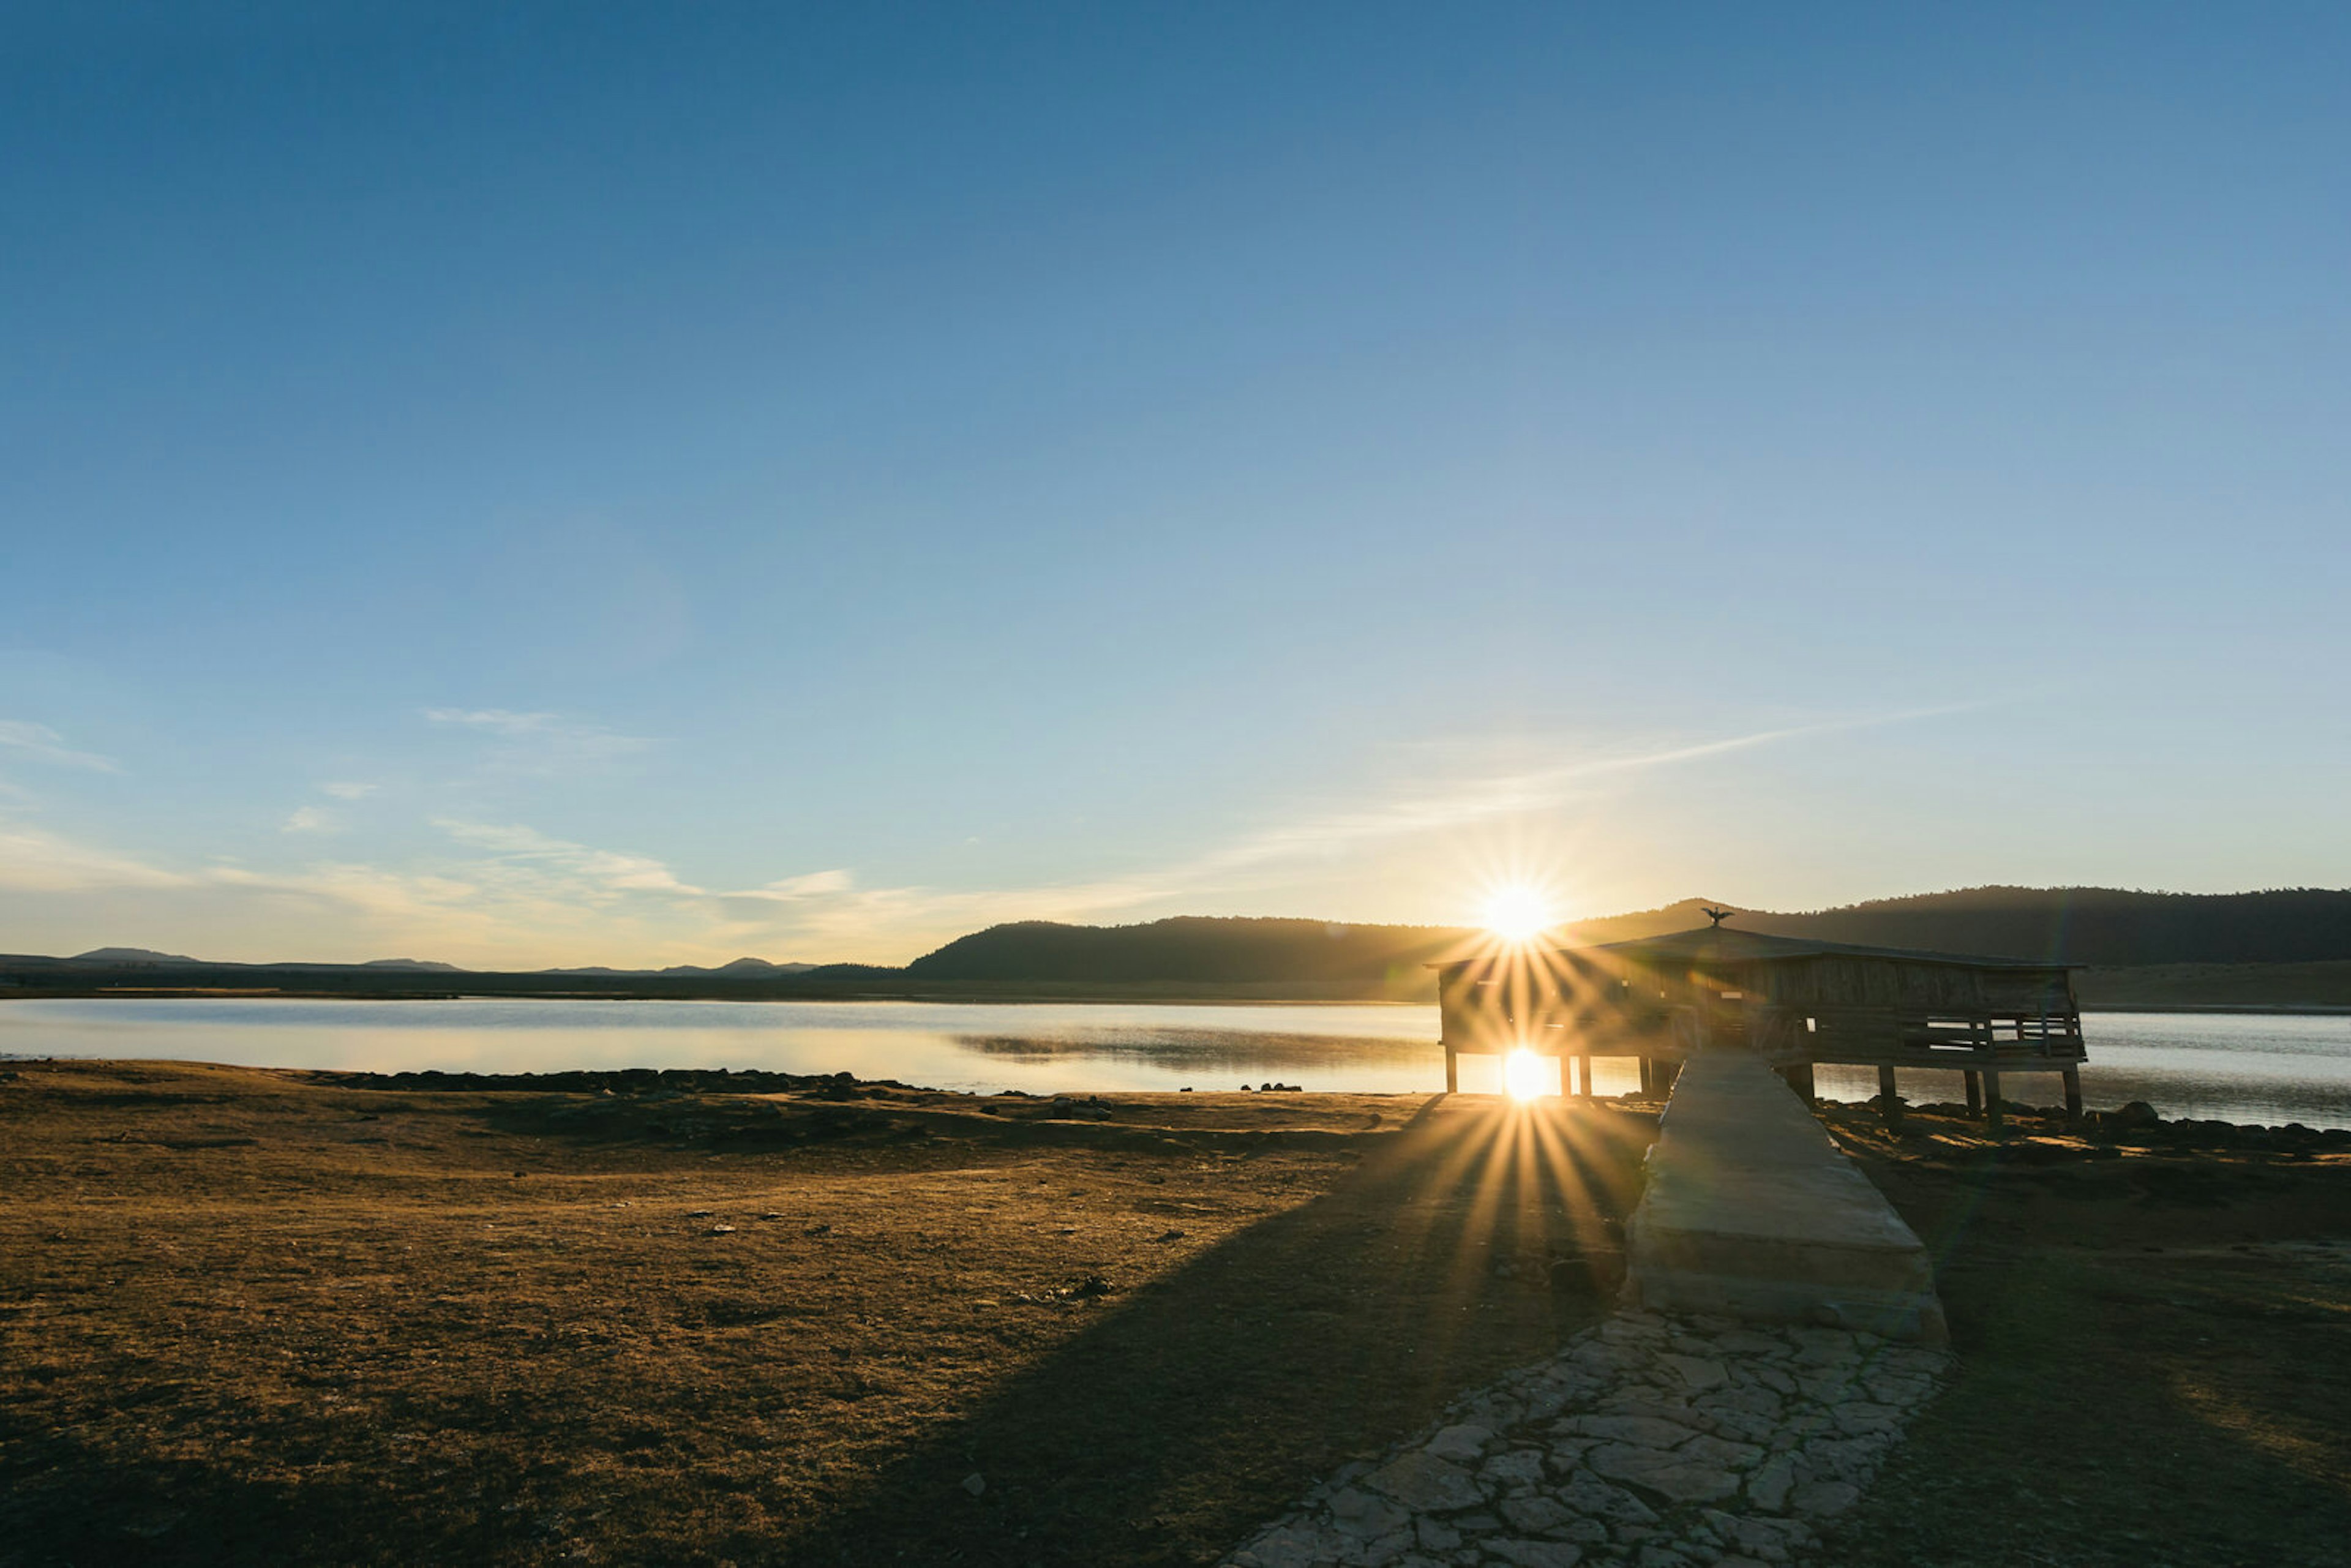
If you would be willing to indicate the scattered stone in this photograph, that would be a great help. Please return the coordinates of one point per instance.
(1427, 1484)
(1361, 1513)
(975, 1483)
(1698, 1373)
(1747, 1341)
(1588, 1494)
(1862, 1418)
(1716, 1451)
(1768, 1487)
(1535, 1514)
(1663, 1476)
(1825, 1499)
(1647, 1431)
(1462, 1445)
(1537, 1553)
(1518, 1469)
(1437, 1535)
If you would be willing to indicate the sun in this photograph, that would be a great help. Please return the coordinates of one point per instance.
(1517, 912)
(1524, 1074)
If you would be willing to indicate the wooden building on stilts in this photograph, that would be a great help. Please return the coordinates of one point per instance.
(1795, 1002)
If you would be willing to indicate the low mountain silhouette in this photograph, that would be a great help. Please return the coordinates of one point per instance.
(741, 968)
(131, 955)
(1241, 949)
(2101, 927)
(2109, 929)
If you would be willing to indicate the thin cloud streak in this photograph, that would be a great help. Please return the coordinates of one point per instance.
(1437, 807)
(42, 743)
(515, 895)
(863, 914)
(33, 860)
(542, 743)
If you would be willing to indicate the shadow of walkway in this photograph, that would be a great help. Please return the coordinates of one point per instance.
(1206, 1402)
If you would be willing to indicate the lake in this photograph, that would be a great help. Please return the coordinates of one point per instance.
(2269, 1069)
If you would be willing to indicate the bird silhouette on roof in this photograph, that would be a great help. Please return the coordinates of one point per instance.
(1717, 915)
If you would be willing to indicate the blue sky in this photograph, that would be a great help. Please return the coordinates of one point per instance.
(625, 484)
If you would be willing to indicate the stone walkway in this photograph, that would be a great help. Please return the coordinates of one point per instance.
(1649, 1440)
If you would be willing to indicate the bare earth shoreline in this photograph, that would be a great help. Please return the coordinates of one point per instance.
(274, 1316)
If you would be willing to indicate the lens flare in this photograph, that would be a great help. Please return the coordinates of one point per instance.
(1524, 1074)
(1518, 912)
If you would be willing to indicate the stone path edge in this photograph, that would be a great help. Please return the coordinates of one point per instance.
(1650, 1439)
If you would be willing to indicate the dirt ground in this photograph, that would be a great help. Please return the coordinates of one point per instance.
(250, 1316)
(2154, 1330)
(275, 1317)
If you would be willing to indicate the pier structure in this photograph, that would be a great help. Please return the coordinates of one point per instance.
(1791, 1003)
(1749, 1211)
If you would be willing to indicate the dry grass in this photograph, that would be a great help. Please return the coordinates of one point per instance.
(257, 1317)
(2156, 1355)
(269, 1317)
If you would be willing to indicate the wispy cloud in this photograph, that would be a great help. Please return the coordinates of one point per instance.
(590, 873)
(33, 860)
(506, 893)
(543, 743)
(346, 790)
(1435, 805)
(503, 721)
(1448, 800)
(793, 889)
(42, 743)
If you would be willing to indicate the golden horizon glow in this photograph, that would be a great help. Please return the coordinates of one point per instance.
(1517, 912)
(1523, 1075)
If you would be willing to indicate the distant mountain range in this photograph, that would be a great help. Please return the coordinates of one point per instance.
(740, 968)
(137, 955)
(2301, 934)
(2101, 927)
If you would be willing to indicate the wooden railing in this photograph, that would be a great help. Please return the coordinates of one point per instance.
(1855, 1034)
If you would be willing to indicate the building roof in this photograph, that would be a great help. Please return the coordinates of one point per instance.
(1720, 944)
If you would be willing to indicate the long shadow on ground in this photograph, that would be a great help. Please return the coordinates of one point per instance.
(1208, 1400)
(2153, 1359)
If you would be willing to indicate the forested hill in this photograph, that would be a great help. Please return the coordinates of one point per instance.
(1200, 949)
(2103, 927)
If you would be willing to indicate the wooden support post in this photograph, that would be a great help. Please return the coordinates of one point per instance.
(1975, 1092)
(1452, 1071)
(1992, 1116)
(1647, 1079)
(2073, 1076)
(1798, 1077)
(1888, 1102)
(1583, 1076)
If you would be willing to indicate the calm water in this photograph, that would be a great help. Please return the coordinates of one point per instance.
(2270, 1068)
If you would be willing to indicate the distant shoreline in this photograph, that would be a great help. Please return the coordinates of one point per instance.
(1096, 995)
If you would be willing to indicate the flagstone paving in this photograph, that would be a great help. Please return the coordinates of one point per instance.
(1649, 1440)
